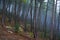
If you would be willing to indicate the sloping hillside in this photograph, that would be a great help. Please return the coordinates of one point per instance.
(5, 35)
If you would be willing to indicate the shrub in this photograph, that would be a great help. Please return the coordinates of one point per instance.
(16, 27)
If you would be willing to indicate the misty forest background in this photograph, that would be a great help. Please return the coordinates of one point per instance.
(38, 18)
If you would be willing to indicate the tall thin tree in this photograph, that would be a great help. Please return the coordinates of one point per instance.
(3, 11)
(45, 24)
(54, 35)
(34, 18)
(25, 17)
(39, 14)
(31, 13)
(52, 22)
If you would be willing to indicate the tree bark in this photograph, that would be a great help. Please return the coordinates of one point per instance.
(25, 18)
(3, 16)
(45, 24)
(31, 14)
(52, 23)
(35, 32)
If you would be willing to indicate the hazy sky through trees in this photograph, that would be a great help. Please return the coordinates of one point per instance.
(48, 17)
(42, 17)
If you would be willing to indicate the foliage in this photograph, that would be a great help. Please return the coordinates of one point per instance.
(24, 7)
(31, 34)
(41, 35)
(24, 1)
(20, 29)
(16, 27)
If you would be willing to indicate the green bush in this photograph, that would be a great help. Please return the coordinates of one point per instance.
(16, 27)
(31, 34)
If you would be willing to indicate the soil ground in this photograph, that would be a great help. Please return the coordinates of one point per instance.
(5, 35)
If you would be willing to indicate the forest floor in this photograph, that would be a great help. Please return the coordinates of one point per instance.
(5, 35)
(8, 35)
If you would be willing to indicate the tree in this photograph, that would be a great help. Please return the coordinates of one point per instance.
(52, 22)
(45, 24)
(25, 17)
(16, 23)
(58, 20)
(31, 13)
(3, 11)
(9, 3)
(34, 18)
(24, 5)
(54, 35)
(39, 14)
(19, 3)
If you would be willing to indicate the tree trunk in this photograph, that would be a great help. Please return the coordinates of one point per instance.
(35, 32)
(55, 30)
(3, 16)
(16, 28)
(52, 23)
(25, 18)
(31, 14)
(18, 12)
(9, 13)
(23, 11)
(45, 24)
(39, 16)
